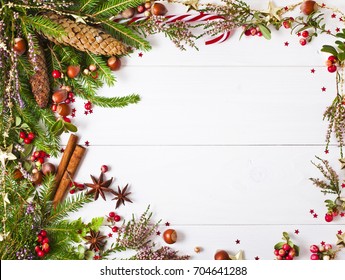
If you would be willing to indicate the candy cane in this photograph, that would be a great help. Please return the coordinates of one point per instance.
(186, 18)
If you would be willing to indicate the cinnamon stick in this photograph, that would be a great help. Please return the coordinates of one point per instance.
(68, 174)
(72, 142)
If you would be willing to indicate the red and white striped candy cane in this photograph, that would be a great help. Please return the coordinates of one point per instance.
(188, 18)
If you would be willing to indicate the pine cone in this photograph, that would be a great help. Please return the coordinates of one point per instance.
(40, 81)
(86, 38)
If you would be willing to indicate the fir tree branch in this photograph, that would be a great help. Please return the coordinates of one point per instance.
(113, 102)
(127, 35)
(102, 68)
(43, 25)
(114, 7)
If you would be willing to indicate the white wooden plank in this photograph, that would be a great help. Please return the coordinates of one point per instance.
(248, 50)
(213, 185)
(213, 105)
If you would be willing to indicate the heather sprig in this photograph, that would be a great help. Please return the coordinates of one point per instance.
(163, 253)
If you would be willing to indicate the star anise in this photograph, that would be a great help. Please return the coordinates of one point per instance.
(95, 239)
(99, 187)
(121, 196)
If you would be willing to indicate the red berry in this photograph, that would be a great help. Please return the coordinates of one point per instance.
(117, 218)
(40, 160)
(27, 141)
(287, 24)
(286, 247)
(288, 258)
(292, 253)
(45, 240)
(314, 248)
(276, 252)
(112, 214)
(259, 33)
(115, 229)
(332, 68)
(140, 9)
(43, 233)
(247, 32)
(104, 168)
(37, 248)
(328, 217)
(305, 34)
(70, 95)
(253, 31)
(42, 154)
(39, 238)
(279, 258)
(68, 101)
(54, 107)
(282, 252)
(66, 119)
(88, 106)
(72, 191)
(40, 254)
(22, 135)
(314, 257)
(36, 154)
(46, 247)
(332, 58)
(56, 74)
(328, 247)
(303, 41)
(31, 136)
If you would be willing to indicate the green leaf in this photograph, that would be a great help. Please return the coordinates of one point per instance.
(296, 249)
(18, 121)
(341, 56)
(57, 127)
(286, 236)
(265, 31)
(340, 35)
(329, 49)
(279, 245)
(70, 127)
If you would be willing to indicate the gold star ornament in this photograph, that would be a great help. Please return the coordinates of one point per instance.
(341, 240)
(342, 162)
(237, 257)
(272, 11)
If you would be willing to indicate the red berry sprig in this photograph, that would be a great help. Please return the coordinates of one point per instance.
(27, 137)
(331, 64)
(113, 218)
(39, 157)
(322, 252)
(286, 250)
(42, 248)
(75, 187)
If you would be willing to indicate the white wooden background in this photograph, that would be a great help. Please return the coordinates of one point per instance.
(221, 143)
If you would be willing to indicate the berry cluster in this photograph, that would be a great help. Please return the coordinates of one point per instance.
(286, 250)
(39, 157)
(42, 248)
(112, 218)
(331, 64)
(252, 31)
(322, 252)
(27, 137)
(285, 253)
(306, 37)
(74, 187)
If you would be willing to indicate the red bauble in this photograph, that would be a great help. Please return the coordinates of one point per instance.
(303, 41)
(117, 218)
(332, 68)
(305, 34)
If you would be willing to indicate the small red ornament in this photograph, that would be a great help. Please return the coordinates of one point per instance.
(88, 106)
(40, 254)
(112, 214)
(332, 68)
(329, 217)
(115, 229)
(56, 74)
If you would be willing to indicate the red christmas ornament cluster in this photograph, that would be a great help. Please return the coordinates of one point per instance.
(42, 248)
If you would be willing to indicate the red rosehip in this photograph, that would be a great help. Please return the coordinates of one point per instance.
(56, 74)
(22, 135)
(305, 34)
(27, 140)
(286, 247)
(314, 249)
(43, 233)
(314, 257)
(303, 41)
(247, 32)
(328, 217)
(292, 253)
(104, 168)
(117, 218)
(115, 229)
(31, 136)
(332, 68)
(253, 31)
(112, 214)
